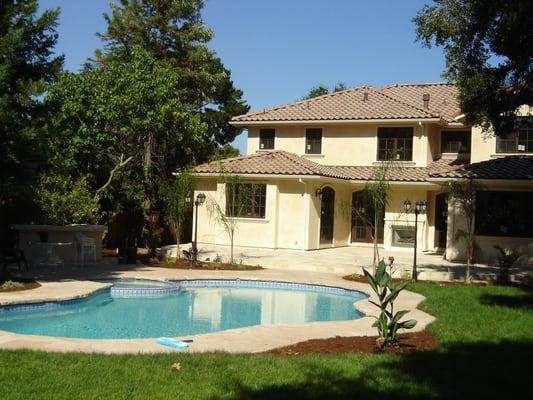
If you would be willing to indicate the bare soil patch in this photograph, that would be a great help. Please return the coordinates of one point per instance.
(407, 342)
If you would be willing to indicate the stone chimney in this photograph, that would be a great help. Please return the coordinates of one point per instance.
(425, 98)
(365, 95)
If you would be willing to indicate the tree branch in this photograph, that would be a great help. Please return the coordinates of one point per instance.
(121, 163)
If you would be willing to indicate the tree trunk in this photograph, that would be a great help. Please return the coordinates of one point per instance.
(231, 248)
(148, 187)
(469, 259)
(375, 260)
(178, 255)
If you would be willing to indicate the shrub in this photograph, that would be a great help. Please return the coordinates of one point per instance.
(388, 322)
(12, 285)
(506, 258)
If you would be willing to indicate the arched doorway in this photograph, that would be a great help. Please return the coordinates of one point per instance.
(327, 215)
(363, 220)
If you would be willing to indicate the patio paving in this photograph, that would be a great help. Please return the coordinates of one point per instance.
(352, 259)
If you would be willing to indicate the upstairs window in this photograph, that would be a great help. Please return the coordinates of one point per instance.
(266, 139)
(246, 200)
(395, 143)
(518, 141)
(455, 142)
(313, 141)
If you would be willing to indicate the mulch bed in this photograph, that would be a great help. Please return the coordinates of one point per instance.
(200, 265)
(182, 263)
(28, 285)
(407, 342)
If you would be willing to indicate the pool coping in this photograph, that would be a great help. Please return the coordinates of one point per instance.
(248, 340)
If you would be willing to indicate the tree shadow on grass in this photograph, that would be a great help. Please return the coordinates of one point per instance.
(524, 301)
(459, 371)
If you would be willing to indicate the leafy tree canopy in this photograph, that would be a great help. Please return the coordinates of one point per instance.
(105, 116)
(226, 151)
(174, 31)
(321, 90)
(489, 54)
(26, 68)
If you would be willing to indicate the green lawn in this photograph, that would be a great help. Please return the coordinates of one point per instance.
(486, 349)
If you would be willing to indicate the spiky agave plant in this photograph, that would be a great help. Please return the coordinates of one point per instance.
(388, 322)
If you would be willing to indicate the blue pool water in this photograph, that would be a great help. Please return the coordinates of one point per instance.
(187, 311)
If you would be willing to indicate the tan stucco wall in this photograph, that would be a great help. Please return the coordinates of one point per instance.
(283, 225)
(293, 220)
(483, 145)
(292, 215)
(341, 144)
(395, 215)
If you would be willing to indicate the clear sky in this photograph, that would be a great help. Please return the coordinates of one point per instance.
(278, 49)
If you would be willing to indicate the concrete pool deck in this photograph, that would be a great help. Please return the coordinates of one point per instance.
(249, 340)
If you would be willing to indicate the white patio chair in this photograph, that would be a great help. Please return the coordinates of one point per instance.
(85, 248)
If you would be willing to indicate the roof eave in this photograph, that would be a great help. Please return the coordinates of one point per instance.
(483, 181)
(244, 124)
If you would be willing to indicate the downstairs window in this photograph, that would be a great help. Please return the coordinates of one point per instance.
(504, 213)
(246, 200)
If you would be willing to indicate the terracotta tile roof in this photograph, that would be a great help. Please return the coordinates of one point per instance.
(402, 101)
(359, 103)
(401, 174)
(511, 167)
(443, 97)
(276, 162)
(279, 162)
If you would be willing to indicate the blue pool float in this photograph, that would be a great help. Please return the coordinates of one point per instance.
(177, 344)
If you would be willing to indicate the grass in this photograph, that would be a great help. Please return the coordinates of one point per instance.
(486, 336)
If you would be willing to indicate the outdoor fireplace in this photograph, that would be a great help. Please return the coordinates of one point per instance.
(403, 236)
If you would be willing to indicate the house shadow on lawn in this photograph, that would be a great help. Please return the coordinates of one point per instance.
(458, 371)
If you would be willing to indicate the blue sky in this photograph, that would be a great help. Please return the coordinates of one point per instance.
(278, 49)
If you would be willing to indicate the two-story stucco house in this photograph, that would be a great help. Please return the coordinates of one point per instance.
(309, 161)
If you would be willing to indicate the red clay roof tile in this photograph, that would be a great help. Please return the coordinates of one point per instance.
(401, 101)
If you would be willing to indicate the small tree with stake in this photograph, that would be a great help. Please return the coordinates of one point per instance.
(175, 194)
(376, 196)
(238, 197)
(463, 195)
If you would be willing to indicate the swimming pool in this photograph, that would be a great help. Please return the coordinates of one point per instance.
(148, 309)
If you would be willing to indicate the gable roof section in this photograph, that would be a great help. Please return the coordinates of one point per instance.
(443, 97)
(276, 162)
(359, 103)
(510, 167)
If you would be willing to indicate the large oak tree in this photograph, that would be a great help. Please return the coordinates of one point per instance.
(488, 47)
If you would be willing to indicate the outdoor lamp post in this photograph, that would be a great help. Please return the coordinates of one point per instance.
(420, 208)
(200, 199)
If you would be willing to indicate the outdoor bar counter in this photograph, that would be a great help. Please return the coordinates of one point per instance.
(56, 244)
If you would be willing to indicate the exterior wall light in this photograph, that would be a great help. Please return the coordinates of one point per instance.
(200, 199)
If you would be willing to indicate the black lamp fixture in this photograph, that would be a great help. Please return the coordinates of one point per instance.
(420, 208)
(200, 199)
(318, 193)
